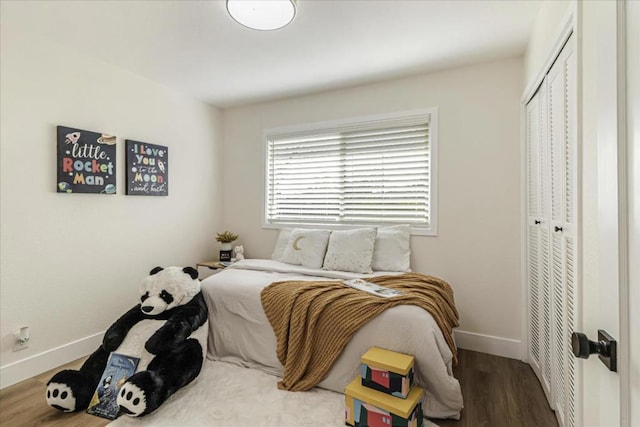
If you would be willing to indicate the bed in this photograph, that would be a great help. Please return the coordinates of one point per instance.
(240, 332)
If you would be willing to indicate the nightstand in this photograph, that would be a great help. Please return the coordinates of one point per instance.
(211, 265)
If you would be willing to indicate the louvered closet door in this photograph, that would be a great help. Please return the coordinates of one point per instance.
(561, 82)
(552, 225)
(539, 283)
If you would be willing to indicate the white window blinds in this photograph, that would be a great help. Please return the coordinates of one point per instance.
(359, 173)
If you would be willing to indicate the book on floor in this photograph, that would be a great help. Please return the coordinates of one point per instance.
(119, 368)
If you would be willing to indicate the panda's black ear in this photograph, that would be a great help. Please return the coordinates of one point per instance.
(191, 272)
(155, 270)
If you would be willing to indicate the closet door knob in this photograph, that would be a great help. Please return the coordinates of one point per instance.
(536, 222)
(557, 228)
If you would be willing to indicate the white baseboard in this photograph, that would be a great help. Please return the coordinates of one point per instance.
(21, 370)
(498, 346)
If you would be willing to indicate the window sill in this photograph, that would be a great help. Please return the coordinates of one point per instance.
(415, 231)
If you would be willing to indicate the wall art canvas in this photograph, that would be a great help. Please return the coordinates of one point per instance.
(86, 161)
(147, 169)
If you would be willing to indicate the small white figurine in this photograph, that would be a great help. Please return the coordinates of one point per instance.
(239, 251)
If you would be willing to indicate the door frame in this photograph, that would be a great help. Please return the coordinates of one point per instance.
(624, 175)
(613, 206)
(632, 66)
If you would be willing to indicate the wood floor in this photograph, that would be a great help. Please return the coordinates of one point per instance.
(23, 404)
(497, 392)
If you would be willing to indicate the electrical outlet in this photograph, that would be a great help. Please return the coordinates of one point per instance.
(22, 339)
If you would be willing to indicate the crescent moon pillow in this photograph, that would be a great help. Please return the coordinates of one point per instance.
(306, 247)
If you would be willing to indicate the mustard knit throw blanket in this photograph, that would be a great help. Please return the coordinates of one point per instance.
(314, 321)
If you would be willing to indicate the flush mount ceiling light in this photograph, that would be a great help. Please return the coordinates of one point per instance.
(262, 14)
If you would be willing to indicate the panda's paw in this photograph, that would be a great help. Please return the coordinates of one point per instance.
(132, 400)
(60, 396)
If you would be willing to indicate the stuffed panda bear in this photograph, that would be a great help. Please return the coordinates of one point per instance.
(167, 331)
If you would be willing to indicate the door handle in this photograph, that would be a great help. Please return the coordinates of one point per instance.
(605, 347)
(557, 228)
(536, 222)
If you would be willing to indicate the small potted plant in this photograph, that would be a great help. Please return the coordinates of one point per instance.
(226, 238)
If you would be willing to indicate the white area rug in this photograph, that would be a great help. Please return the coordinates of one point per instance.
(227, 395)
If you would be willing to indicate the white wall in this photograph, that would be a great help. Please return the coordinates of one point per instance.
(71, 263)
(545, 32)
(478, 244)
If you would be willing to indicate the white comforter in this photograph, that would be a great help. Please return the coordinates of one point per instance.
(240, 332)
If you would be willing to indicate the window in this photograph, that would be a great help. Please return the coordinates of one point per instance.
(367, 171)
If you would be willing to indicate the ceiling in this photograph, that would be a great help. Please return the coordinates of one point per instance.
(195, 46)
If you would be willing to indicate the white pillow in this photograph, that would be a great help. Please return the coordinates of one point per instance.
(306, 247)
(281, 243)
(392, 251)
(350, 250)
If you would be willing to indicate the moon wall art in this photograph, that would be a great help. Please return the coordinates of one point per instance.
(147, 169)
